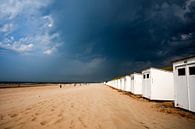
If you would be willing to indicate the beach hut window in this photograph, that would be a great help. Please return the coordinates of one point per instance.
(144, 76)
(192, 70)
(148, 76)
(132, 78)
(182, 72)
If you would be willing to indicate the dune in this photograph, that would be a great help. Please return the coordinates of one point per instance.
(93, 106)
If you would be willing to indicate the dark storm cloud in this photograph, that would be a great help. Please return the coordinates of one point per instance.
(128, 31)
(101, 39)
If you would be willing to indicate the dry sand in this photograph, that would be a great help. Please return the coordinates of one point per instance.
(82, 107)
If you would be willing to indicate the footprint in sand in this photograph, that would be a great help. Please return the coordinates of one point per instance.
(71, 124)
(146, 127)
(33, 119)
(37, 113)
(40, 103)
(2, 117)
(82, 123)
(59, 120)
(7, 128)
(99, 127)
(22, 123)
(60, 115)
(43, 123)
(28, 109)
(143, 124)
(72, 105)
(13, 115)
(27, 112)
(154, 123)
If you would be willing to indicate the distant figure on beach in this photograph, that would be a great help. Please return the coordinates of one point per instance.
(60, 86)
(74, 84)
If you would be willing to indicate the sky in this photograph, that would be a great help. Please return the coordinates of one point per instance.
(92, 40)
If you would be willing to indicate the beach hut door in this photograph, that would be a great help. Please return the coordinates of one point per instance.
(191, 81)
(132, 84)
(148, 84)
(182, 87)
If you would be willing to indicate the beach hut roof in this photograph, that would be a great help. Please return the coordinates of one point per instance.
(184, 58)
(157, 69)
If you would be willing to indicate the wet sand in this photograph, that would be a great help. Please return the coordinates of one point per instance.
(92, 106)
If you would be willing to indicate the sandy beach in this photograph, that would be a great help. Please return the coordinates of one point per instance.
(93, 106)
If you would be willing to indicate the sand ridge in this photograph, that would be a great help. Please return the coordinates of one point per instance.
(92, 106)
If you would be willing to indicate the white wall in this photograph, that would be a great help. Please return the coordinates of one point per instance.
(162, 85)
(118, 83)
(128, 83)
(159, 85)
(136, 83)
(184, 85)
(123, 84)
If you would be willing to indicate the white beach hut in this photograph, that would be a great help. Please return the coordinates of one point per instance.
(122, 83)
(184, 83)
(128, 83)
(136, 83)
(112, 83)
(118, 84)
(115, 83)
(108, 83)
(157, 84)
